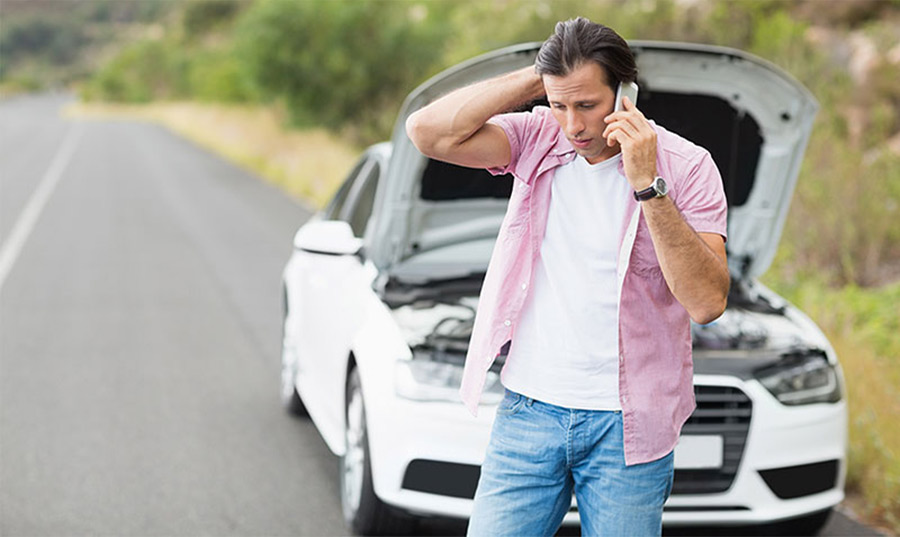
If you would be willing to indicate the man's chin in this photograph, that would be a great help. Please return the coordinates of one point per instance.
(591, 153)
(597, 152)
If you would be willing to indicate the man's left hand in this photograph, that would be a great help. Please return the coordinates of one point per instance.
(634, 134)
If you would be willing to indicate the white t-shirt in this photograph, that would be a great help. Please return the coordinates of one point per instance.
(565, 348)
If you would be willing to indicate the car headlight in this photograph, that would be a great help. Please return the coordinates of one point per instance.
(427, 377)
(802, 379)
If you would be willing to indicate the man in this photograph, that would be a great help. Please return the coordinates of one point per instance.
(614, 237)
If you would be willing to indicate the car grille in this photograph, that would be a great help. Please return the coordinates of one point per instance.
(723, 411)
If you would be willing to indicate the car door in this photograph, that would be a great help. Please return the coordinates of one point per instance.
(334, 291)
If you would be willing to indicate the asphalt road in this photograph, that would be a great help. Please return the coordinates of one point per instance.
(140, 303)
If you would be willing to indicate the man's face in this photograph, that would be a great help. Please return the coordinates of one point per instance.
(580, 101)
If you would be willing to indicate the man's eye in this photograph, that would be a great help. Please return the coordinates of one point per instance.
(587, 106)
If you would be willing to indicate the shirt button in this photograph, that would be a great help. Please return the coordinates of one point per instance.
(524, 286)
(507, 322)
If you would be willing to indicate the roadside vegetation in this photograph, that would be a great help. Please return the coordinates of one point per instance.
(48, 44)
(327, 78)
(864, 328)
(305, 163)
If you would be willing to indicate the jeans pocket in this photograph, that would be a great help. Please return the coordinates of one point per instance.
(511, 403)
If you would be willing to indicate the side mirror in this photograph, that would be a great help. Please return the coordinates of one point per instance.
(330, 237)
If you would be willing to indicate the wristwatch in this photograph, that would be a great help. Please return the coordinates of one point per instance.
(658, 189)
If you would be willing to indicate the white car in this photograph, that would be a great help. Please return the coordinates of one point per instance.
(382, 287)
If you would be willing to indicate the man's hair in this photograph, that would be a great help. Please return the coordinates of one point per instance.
(577, 41)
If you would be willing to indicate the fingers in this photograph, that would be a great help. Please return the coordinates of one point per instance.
(630, 111)
(624, 131)
(635, 135)
(628, 124)
(625, 127)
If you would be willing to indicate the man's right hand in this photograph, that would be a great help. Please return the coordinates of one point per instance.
(454, 128)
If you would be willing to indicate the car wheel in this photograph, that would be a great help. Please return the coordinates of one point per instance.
(364, 513)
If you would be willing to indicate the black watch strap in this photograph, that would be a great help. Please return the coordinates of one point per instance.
(656, 190)
(646, 194)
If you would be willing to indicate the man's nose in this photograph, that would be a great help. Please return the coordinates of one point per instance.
(574, 123)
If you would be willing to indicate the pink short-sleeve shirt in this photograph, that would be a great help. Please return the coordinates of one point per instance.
(655, 365)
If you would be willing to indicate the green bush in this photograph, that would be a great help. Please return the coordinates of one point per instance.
(202, 16)
(142, 72)
(219, 77)
(341, 64)
(119, 12)
(21, 83)
(54, 39)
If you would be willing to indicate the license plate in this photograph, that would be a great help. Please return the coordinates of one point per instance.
(696, 452)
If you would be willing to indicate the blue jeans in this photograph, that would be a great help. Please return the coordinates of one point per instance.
(539, 453)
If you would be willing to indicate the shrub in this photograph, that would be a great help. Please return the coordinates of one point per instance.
(53, 38)
(202, 16)
(147, 70)
(340, 64)
(218, 77)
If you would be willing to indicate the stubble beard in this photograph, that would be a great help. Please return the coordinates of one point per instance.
(599, 151)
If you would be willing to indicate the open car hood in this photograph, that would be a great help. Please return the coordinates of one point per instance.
(752, 116)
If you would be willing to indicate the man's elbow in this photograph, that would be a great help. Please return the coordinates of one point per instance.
(711, 309)
(706, 316)
(421, 134)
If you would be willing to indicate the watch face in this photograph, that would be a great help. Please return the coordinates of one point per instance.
(661, 187)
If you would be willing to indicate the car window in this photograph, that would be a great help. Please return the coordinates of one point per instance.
(364, 200)
(333, 211)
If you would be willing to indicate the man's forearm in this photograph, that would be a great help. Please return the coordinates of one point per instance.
(696, 275)
(453, 118)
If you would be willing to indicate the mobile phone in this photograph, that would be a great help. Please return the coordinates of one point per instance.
(629, 89)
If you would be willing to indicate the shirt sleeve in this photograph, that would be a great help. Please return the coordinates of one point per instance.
(521, 129)
(701, 199)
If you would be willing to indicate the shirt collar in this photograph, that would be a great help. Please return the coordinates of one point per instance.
(562, 146)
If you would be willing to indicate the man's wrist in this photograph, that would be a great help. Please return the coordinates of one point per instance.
(657, 189)
(642, 183)
(535, 83)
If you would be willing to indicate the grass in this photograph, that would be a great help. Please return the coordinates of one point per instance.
(309, 165)
(864, 328)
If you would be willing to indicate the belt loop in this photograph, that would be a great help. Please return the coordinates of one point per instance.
(529, 401)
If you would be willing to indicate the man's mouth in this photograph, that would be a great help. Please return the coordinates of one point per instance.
(582, 143)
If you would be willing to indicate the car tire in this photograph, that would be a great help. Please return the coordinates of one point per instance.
(364, 513)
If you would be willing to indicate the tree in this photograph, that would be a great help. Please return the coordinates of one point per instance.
(342, 64)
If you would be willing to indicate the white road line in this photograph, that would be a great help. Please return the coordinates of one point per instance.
(13, 244)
